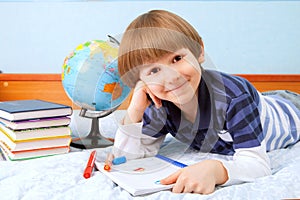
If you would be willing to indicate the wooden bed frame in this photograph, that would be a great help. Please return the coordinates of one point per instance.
(49, 87)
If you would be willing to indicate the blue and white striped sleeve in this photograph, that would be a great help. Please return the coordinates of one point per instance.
(243, 122)
(250, 159)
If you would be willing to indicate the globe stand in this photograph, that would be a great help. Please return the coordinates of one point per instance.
(94, 138)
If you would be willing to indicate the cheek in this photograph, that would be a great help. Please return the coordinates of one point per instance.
(155, 88)
(195, 73)
(154, 83)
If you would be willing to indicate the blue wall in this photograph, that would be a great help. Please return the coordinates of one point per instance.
(239, 36)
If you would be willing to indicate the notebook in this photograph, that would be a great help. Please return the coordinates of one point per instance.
(141, 176)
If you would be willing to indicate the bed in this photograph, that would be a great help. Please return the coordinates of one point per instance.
(61, 176)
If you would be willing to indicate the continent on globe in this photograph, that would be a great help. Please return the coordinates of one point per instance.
(90, 76)
(114, 88)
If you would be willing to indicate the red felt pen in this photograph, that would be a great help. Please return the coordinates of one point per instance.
(108, 162)
(90, 165)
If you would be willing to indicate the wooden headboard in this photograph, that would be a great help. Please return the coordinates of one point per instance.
(49, 87)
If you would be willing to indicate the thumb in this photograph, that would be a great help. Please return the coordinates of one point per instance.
(171, 179)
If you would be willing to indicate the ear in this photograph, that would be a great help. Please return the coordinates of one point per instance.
(201, 57)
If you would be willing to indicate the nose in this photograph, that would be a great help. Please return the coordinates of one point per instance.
(171, 76)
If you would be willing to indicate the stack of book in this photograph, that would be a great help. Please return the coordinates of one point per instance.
(34, 128)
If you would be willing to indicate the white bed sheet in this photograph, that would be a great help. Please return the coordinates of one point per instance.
(60, 177)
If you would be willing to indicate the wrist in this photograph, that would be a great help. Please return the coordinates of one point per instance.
(221, 175)
(133, 115)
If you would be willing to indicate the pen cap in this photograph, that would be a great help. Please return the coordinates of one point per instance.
(90, 165)
(88, 172)
(119, 160)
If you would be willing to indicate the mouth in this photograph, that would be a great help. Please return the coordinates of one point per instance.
(177, 87)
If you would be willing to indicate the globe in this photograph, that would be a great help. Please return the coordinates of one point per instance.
(90, 76)
(91, 80)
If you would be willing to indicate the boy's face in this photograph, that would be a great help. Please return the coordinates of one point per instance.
(174, 77)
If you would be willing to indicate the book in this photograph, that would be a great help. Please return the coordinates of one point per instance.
(24, 134)
(32, 109)
(141, 176)
(2, 157)
(36, 123)
(32, 153)
(34, 143)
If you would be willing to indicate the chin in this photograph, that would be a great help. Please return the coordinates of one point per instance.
(182, 100)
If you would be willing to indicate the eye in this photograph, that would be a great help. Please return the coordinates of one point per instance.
(177, 58)
(154, 70)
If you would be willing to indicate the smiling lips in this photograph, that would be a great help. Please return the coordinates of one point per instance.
(177, 87)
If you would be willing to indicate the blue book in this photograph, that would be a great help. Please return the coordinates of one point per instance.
(32, 109)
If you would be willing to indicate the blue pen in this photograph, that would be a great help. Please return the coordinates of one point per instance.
(169, 160)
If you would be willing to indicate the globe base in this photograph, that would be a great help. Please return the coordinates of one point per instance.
(94, 138)
(90, 143)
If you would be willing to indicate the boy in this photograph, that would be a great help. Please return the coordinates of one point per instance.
(160, 55)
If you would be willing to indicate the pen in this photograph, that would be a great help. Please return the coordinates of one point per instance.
(173, 162)
(108, 162)
(90, 165)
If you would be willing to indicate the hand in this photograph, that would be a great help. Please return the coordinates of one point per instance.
(139, 102)
(198, 178)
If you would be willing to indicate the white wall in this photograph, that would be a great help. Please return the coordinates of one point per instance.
(239, 36)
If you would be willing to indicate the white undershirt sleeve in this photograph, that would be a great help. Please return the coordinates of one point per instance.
(247, 165)
(130, 142)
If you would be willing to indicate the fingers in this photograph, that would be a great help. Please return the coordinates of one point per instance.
(183, 186)
(187, 184)
(155, 99)
(171, 179)
(141, 86)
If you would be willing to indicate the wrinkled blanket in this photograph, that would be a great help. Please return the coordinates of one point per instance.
(60, 177)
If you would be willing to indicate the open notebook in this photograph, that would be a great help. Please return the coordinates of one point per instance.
(141, 176)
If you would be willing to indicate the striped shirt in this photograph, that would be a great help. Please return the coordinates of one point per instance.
(231, 115)
(280, 120)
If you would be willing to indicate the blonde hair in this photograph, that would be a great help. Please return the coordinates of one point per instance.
(151, 36)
